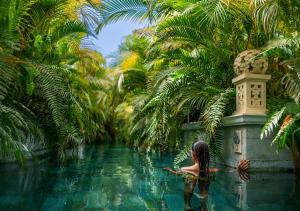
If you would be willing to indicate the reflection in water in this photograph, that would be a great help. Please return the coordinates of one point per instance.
(202, 195)
(119, 178)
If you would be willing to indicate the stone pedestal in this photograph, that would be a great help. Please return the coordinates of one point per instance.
(251, 93)
(242, 130)
(242, 141)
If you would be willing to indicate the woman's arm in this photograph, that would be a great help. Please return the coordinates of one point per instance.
(183, 170)
(172, 171)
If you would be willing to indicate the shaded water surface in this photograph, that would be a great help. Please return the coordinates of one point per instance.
(119, 178)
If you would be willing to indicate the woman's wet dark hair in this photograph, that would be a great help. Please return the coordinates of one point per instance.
(200, 148)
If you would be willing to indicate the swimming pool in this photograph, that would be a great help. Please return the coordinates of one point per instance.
(104, 177)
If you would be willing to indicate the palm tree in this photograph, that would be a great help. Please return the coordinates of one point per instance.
(190, 56)
(40, 44)
(134, 10)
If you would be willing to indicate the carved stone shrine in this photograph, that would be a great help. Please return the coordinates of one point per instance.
(241, 131)
(250, 83)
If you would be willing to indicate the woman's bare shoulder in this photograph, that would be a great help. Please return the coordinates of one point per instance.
(184, 168)
(189, 170)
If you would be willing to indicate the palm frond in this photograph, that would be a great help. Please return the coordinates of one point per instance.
(196, 96)
(68, 29)
(214, 12)
(272, 123)
(215, 111)
(8, 72)
(292, 84)
(60, 98)
(89, 16)
(285, 134)
(182, 28)
(265, 13)
(16, 129)
(112, 11)
(281, 45)
(184, 154)
(216, 146)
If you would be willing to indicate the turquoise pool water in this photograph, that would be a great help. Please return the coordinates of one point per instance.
(119, 178)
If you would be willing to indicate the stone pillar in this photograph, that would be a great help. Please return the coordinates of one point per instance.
(250, 94)
(250, 83)
(242, 129)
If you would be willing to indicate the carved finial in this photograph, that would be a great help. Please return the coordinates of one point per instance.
(247, 63)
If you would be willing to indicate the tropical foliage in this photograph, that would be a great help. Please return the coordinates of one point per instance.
(285, 123)
(186, 66)
(47, 75)
(176, 70)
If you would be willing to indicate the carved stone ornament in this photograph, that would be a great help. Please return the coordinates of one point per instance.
(247, 63)
(237, 141)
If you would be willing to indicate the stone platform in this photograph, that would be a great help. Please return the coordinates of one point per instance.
(242, 141)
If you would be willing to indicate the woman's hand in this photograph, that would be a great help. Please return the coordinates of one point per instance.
(170, 170)
(243, 165)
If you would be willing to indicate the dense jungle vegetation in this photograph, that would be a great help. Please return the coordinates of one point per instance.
(56, 91)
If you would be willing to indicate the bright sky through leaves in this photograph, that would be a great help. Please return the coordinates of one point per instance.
(112, 35)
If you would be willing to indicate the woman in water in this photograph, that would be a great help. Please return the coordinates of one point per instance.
(200, 157)
(200, 172)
